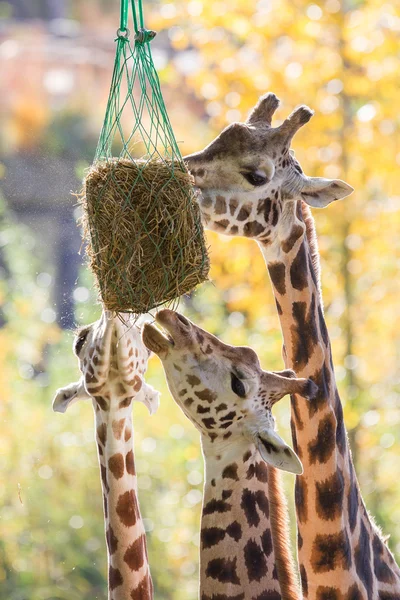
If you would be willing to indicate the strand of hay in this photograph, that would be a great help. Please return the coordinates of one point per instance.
(143, 230)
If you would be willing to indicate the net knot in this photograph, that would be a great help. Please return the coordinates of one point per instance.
(144, 36)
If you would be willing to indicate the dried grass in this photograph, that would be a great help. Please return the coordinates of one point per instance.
(144, 236)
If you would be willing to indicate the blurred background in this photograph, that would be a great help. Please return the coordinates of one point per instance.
(214, 59)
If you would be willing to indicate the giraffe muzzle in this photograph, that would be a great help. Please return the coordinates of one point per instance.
(177, 326)
(176, 332)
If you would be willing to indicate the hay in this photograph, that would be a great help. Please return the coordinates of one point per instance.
(142, 225)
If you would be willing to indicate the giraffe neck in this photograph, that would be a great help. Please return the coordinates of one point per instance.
(244, 551)
(129, 574)
(340, 551)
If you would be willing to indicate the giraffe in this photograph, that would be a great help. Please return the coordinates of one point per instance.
(252, 185)
(244, 552)
(113, 360)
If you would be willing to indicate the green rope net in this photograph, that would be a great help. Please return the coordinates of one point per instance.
(141, 219)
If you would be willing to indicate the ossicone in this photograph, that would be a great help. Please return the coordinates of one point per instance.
(264, 110)
(290, 126)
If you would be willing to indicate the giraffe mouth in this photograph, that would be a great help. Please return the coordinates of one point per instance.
(175, 332)
(155, 341)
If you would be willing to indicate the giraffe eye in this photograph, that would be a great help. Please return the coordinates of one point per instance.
(255, 178)
(80, 340)
(237, 386)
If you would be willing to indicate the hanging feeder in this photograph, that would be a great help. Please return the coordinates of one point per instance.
(141, 221)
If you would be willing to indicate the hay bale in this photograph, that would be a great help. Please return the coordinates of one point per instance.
(144, 236)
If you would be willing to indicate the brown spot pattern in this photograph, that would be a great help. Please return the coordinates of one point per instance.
(134, 555)
(102, 433)
(268, 595)
(209, 422)
(206, 395)
(221, 224)
(249, 503)
(103, 473)
(255, 561)
(112, 541)
(253, 229)
(144, 590)
(331, 551)
(244, 213)
(222, 597)
(220, 205)
(118, 427)
(299, 269)
(266, 542)
(355, 594)
(277, 275)
(327, 593)
(130, 463)
(226, 494)
(116, 465)
(295, 234)
(102, 402)
(127, 508)
(137, 383)
(304, 333)
(258, 470)
(234, 530)
(193, 380)
(304, 581)
(381, 569)
(300, 495)
(210, 536)
(362, 559)
(329, 496)
(322, 379)
(114, 578)
(216, 506)
(320, 449)
(230, 472)
(223, 569)
(125, 403)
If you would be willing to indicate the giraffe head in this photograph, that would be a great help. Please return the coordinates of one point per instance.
(248, 174)
(113, 360)
(223, 390)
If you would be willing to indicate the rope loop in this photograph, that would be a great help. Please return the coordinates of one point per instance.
(123, 34)
(144, 36)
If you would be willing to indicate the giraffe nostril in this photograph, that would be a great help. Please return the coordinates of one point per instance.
(183, 320)
(200, 173)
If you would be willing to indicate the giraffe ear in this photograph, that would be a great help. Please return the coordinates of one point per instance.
(281, 383)
(277, 453)
(319, 192)
(150, 397)
(289, 373)
(69, 395)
